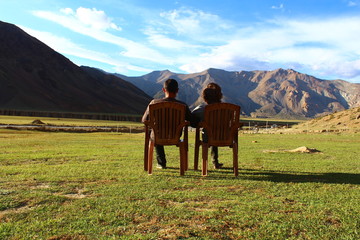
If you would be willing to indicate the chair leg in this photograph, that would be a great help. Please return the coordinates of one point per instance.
(186, 146)
(197, 146)
(205, 147)
(235, 160)
(183, 160)
(146, 148)
(186, 159)
(184, 155)
(150, 157)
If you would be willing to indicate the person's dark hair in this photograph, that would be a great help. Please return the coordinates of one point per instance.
(217, 88)
(212, 93)
(171, 85)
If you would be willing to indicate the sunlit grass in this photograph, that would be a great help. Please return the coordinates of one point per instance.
(22, 120)
(92, 186)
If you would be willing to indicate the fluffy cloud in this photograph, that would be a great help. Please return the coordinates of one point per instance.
(85, 25)
(193, 40)
(195, 25)
(93, 18)
(281, 6)
(67, 47)
(326, 47)
(352, 4)
(161, 40)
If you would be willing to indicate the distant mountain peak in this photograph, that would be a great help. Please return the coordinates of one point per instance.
(285, 71)
(214, 70)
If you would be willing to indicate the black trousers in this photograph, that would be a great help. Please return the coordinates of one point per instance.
(214, 150)
(214, 154)
(160, 155)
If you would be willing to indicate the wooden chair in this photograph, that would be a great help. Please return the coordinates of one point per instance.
(221, 123)
(165, 126)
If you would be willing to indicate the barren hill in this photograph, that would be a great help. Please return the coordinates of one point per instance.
(279, 93)
(34, 77)
(348, 120)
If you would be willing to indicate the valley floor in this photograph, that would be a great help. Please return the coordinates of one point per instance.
(61, 185)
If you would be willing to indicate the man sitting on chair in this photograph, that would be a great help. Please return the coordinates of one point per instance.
(170, 88)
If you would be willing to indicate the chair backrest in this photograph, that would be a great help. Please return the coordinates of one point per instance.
(221, 122)
(167, 120)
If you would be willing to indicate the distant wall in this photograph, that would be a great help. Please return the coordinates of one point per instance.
(95, 116)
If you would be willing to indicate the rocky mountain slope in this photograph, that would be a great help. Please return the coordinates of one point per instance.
(279, 93)
(33, 77)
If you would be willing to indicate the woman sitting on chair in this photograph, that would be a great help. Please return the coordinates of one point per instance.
(211, 94)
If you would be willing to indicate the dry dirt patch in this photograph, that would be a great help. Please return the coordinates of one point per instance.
(302, 149)
(15, 210)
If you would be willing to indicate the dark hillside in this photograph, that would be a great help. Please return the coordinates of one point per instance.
(34, 77)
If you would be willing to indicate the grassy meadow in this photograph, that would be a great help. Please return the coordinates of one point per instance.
(19, 120)
(58, 185)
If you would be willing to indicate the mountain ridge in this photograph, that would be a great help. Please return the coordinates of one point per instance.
(280, 92)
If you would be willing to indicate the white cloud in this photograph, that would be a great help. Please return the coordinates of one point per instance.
(328, 47)
(194, 40)
(130, 48)
(352, 4)
(67, 11)
(95, 19)
(281, 6)
(92, 18)
(160, 40)
(65, 46)
(194, 24)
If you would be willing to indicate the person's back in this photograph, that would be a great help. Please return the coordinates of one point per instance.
(170, 88)
(211, 94)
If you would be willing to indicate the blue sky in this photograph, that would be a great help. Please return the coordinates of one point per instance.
(135, 37)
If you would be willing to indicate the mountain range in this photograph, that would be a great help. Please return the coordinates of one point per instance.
(278, 93)
(35, 77)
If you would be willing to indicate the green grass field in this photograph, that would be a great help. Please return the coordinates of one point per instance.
(56, 185)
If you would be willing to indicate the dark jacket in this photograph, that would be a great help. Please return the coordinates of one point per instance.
(188, 116)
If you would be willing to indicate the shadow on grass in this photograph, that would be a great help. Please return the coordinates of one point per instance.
(279, 176)
(300, 177)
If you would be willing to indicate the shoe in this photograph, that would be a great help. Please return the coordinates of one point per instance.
(218, 165)
(159, 166)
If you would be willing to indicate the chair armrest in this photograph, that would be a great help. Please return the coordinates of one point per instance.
(146, 123)
(184, 124)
